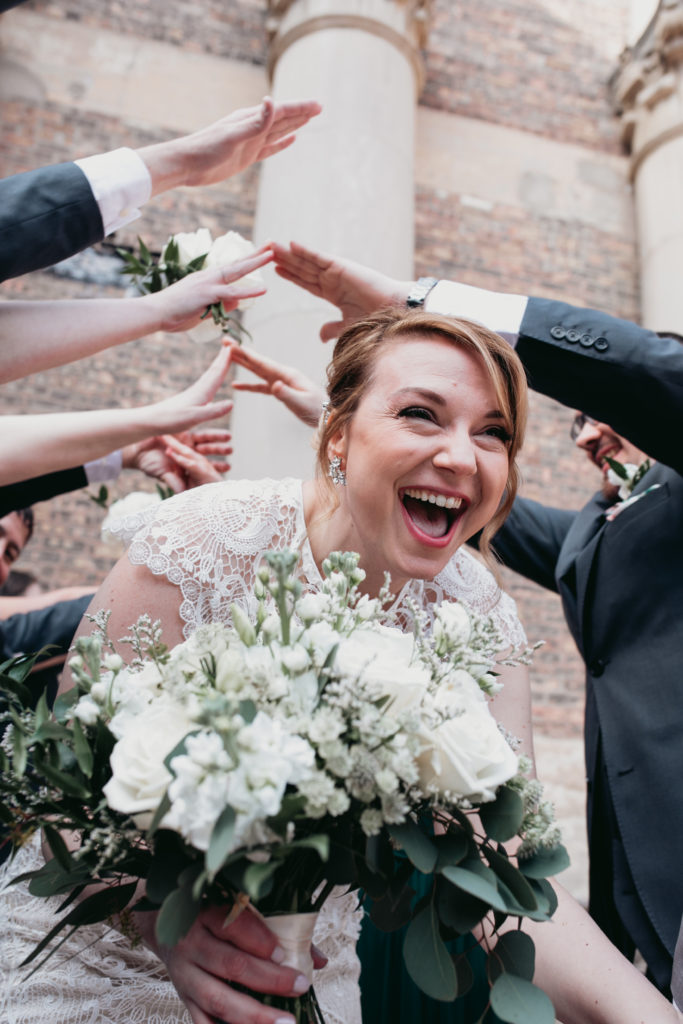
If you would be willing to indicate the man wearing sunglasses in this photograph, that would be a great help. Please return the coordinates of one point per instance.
(617, 564)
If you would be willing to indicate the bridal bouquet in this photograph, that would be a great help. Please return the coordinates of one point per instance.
(271, 760)
(183, 254)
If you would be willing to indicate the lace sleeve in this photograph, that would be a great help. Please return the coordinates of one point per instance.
(209, 541)
(466, 579)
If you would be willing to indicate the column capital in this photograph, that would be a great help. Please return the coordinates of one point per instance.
(404, 23)
(648, 82)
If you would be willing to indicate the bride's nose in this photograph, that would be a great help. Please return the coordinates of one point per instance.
(456, 453)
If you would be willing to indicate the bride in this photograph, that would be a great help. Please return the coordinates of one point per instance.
(416, 454)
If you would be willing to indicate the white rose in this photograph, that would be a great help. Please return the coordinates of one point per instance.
(382, 655)
(139, 775)
(452, 622)
(230, 248)
(191, 244)
(466, 755)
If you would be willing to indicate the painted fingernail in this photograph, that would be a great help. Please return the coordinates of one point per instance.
(278, 955)
(284, 1020)
(302, 984)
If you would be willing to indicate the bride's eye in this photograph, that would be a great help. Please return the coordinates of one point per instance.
(417, 412)
(498, 432)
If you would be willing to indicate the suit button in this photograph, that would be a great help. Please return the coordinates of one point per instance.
(597, 667)
(573, 336)
(601, 344)
(587, 340)
(557, 332)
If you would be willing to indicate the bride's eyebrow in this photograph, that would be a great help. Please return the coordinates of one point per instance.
(426, 393)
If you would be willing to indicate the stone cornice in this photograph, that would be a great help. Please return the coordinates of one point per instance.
(648, 72)
(290, 20)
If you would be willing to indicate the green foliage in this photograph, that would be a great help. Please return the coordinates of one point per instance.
(426, 957)
(516, 1001)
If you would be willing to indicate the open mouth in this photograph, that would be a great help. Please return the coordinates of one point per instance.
(431, 514)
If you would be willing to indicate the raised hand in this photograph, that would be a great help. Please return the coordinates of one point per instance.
(180, 461)
(227, 146)
(291, 387)
(355, 289)
(180, 306)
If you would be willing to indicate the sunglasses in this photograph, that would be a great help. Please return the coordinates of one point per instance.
(578, 423)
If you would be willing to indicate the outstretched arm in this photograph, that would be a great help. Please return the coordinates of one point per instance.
(45, 443)
(356, 290)
(228, 146)
(39, 335)
(291, 387)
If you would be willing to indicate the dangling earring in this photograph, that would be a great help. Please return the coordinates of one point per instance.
(337, 474)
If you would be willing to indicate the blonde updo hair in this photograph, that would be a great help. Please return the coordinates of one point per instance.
(352, 368)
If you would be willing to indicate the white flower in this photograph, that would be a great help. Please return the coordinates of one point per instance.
(113, 662)
(382, 655)
(371, 821)
(312, 607)
(191, 244)
(452, 623)
(139, 775)
(230, 248)
(466, 755)
(326, 725)
(87, 711)
(112, 527)
(295, 659)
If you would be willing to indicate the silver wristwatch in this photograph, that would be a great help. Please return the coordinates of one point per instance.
(420, 291)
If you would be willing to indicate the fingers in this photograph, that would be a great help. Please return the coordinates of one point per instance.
(233, 271)
(331, 330)
(254, 389)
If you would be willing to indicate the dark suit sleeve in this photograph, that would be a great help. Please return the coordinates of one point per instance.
(530, 539)
(611, 369)
(40, 488)
(45, 216)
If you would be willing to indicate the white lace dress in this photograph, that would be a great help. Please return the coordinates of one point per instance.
(208, 542)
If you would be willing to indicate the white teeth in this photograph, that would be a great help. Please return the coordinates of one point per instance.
(434, 499)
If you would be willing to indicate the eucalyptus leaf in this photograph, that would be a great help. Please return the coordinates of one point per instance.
(513, 879)
(463, 973)
(516, 1001)
(258, 879)
(545, 863)
(452, 848)
(178, 911)
(418, 847)
(514, 953)
(427, 959)
(476, 885)
(58, 847)
(503, 816)
(458, 910)
(82, 750)
(161, 811)
(222, 839)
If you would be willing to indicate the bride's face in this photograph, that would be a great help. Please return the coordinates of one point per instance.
(426, 459)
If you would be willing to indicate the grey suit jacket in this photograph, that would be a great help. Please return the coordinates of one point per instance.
(621, 582)
(45, 216)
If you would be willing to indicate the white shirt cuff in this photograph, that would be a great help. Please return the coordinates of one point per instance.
(495, 310)
(106, 468)
(120, 183)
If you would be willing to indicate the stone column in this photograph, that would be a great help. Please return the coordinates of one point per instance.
(648, 88)
(346, 186)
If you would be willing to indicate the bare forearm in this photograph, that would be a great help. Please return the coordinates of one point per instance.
(586, 977)
(36, 336)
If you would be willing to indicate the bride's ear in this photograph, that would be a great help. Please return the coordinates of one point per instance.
(336, 446)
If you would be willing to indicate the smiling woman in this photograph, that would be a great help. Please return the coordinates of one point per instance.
(426, 416)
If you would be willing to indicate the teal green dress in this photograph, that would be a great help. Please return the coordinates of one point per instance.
(390, 996)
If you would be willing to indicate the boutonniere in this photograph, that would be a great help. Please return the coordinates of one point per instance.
(625, 476)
